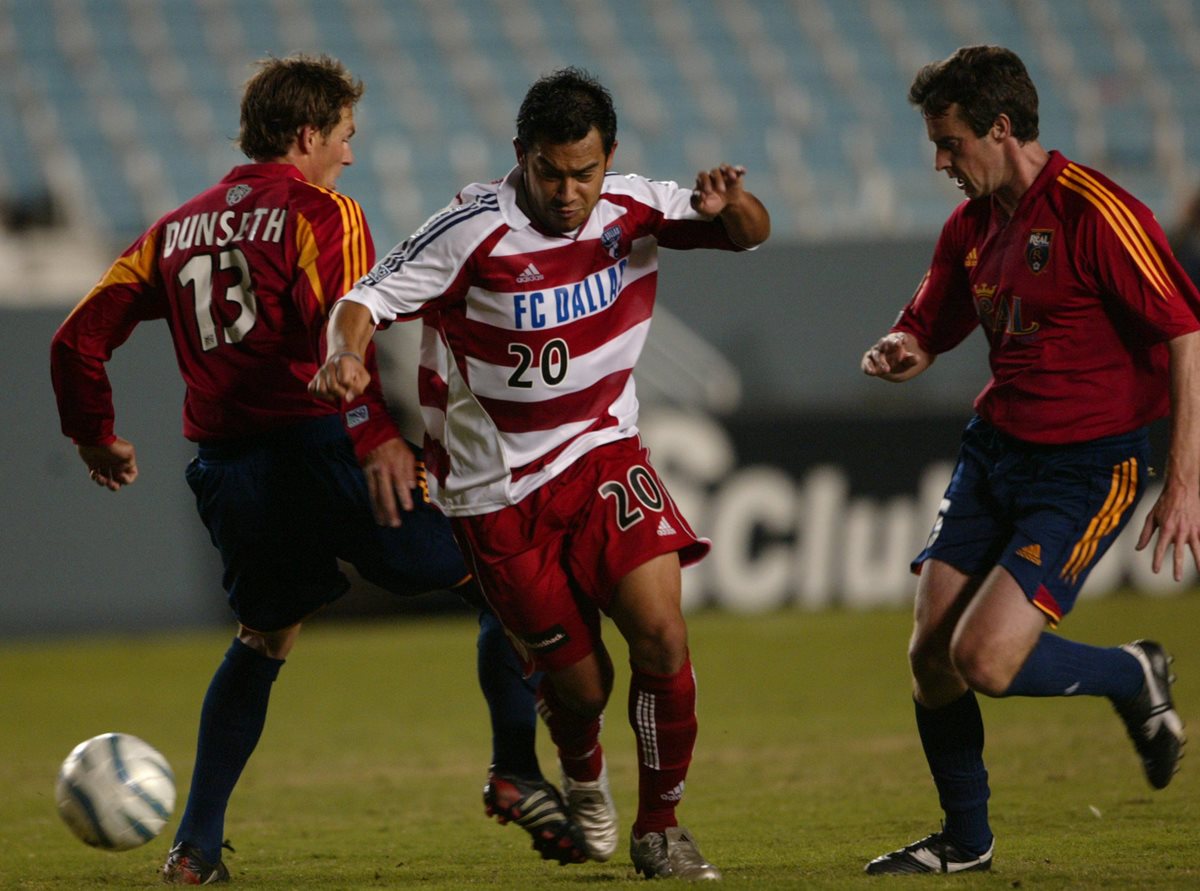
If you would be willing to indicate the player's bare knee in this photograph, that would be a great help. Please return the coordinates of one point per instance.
(588, 701)
(929, 659)
(273, 644)
(660, 649)
(981, 672)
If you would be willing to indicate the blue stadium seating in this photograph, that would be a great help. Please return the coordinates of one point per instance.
(809, 94)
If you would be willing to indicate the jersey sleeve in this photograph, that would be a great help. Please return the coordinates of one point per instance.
(420, 273)
(670, 217)
(130, 292)
(1130, 258)
(334, 250)
(941, 312)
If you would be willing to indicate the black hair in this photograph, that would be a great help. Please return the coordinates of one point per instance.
(563, 107)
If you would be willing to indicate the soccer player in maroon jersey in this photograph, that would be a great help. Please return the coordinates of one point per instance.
(1093, 333)
(244, 274)
(536, 293)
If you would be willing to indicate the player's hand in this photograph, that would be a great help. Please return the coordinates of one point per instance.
(716, 189)
(391, 472)
(890, 355)
(343, 378)
(1175, 517)
(111, 466)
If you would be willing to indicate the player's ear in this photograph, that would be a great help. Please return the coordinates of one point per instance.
(520, 150)
(306, 138)
(1001, 128)
(611, 152)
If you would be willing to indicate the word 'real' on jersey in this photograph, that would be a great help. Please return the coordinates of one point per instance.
(529, 339)
(244, 274)
(1078, 293)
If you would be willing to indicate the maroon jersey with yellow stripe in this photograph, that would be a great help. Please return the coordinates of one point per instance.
(1077, 294)
(245, 274)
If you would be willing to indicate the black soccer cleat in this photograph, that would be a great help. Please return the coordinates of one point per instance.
(1150, 717)
(185, 866)
(538, 808)
(931, 854)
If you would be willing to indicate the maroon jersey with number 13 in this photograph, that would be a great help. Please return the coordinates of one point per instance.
(244, 274)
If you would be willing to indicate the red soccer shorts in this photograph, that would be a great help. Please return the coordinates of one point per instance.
(550, 563)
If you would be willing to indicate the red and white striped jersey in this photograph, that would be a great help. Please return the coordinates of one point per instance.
(529, 339)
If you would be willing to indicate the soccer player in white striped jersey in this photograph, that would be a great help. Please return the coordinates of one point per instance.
(536, 293)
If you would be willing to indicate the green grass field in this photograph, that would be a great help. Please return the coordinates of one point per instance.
(369, 772)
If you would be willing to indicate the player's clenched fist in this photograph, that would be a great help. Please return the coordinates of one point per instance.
(343, 378)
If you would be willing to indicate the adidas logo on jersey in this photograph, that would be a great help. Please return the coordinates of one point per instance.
(530, 274)
(665, 528)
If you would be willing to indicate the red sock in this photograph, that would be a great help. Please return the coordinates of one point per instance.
(577, 739)
(662, 712)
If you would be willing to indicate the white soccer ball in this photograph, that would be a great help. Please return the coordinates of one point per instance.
(115, 791)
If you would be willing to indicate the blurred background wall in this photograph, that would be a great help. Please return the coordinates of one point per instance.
(816, 484)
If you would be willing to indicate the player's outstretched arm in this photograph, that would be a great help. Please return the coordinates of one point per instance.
(111, 466)
(896, 357)
(720, 192)
(1175, 517)
(344, 376)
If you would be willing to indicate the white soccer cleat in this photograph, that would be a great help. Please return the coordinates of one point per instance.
(591, 806)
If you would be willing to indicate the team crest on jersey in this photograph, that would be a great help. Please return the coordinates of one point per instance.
(610, 239)
(1037, 249)
(236, 194)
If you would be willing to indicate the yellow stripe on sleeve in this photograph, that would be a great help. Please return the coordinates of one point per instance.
(307, 252)
(354, 240)
(1126, 226)
(131, 269)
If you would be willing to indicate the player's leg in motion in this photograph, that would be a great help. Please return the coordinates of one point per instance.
(516, 790)
(951, 731)
(1135, 677)
(231, 722)
(662, 711)
(575, 723)
(511, 700)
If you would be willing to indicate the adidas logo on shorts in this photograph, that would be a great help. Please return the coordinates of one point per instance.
(665, 528)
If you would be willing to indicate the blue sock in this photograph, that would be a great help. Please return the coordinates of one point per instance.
(231, 722)
(1061, 667)
(510, 699)
(952, 737)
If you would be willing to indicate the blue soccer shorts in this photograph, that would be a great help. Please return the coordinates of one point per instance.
(1046, 513)
(284, 507)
